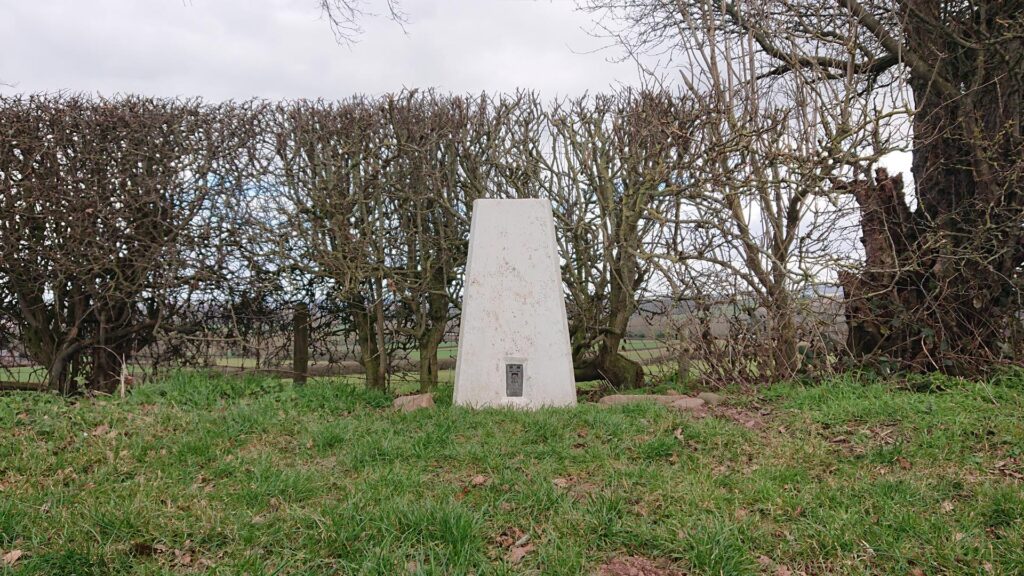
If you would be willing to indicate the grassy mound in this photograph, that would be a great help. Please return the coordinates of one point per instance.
(205, 474)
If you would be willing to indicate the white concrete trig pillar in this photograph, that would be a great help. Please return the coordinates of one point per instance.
(513, 336)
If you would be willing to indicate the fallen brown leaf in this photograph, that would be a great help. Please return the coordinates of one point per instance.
(11, 557)
(517, 553)
(183, 558)
(561, 482)
(479, 480)
(510, 537)
(1006, 468)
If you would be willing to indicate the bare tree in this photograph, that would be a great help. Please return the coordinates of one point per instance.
(754, 233)
(345, 15)
(938, 286)
(608, 164)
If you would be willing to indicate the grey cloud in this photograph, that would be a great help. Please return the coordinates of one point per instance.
(222, 49)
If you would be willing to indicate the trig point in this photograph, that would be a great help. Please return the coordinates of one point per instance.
(513, 337)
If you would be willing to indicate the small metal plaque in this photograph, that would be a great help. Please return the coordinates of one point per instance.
(514, 380)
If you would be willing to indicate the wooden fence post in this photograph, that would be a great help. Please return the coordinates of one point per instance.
(300, 351)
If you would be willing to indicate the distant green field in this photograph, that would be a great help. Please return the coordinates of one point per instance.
(640, 350)
(637, 348)
(22, 374)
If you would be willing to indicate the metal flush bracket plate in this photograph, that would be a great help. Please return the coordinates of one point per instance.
(514, 380)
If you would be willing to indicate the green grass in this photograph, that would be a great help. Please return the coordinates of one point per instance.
(199, 474)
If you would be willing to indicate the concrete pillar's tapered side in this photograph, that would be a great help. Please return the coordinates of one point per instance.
(513, 336)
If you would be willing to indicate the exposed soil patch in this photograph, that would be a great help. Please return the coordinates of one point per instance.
(578, 488)
(1012, 468)
(746, 418)
(854, 440)
(637, 566)
(696, 407)
(589, 394)
(514, 544)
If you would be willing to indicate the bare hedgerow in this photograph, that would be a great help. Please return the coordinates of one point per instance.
(611, 165)
(373, 197)
(103, 228)
(171, 231)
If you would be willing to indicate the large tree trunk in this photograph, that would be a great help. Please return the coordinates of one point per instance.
(58, 376)
(428, 365)
(609, 364)
(300, 343)
(383, 364)
(105, 372)
(937, 291)
(365, 323)
(621, 373)
(431, 338)
(786, 360)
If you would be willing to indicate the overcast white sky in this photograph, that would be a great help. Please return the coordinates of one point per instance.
(223, 49)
